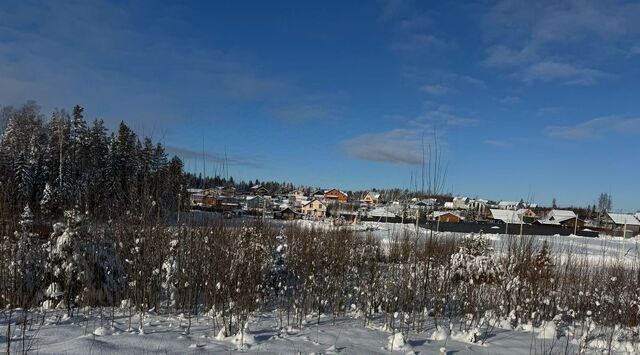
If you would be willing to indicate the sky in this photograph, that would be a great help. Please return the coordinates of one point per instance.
(526, 99)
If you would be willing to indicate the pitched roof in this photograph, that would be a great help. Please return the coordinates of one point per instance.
(621, 218)
(437, 214)
(506, 216)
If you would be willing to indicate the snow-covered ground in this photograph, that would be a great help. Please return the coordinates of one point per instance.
(604, 248)
(168, 335)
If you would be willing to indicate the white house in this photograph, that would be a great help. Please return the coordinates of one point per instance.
(461, 203)
(505, 216)
(508, 205)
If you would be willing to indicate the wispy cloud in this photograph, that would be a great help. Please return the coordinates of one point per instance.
(567, 73)
(48, 52)
(563, 41)
(403, 145)
(435, 89)
(596, 127)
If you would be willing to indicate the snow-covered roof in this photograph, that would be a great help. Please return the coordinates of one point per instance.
(506, 216)
(507, 203)
(449, 204)
(437, 214)
(621, 219)
(381, 212)
(315, 199)
(194, 191)
(561, 215)
(374, 194)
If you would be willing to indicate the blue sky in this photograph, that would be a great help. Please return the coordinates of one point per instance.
(528, 99)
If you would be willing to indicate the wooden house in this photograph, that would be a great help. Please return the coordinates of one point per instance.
(335, 195)
(314, 208)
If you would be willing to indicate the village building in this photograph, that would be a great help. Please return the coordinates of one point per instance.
(527, 215)
(445, 216)
(505, 216)
(562, 218)
(479, 206)
(314, 208)
(336, 195)
(628, 225)
(297, 196)
(372, 198)
(258, 190)
(287, 214)
(460, 203)
(508, 205)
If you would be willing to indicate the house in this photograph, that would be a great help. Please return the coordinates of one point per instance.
(372, 198)
(508, 205)
(256, 203)
(297, 196)
(382, 213)
(627, 224)
(479, 206)
(505, 216)
(314, 208)
(258, 190)
(445, 216)
(335, 195)
(319, 194)
(527, 215)
(449, 205)
(195, 196)
(562, 218)
(287, 214)
(460, 203)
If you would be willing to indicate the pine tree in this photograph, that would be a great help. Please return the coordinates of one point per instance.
(49, 203)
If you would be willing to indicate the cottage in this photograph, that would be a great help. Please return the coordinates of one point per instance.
(335, 195)
(508, 205)
(527, 215)
(297, 196)
(258, 190)
(505, 216)
(372, 198)
(287, 214)
(562, 218)
(449, 205)
(460, 203)
(626, 224)
(314, 208)
(445, 216)
(255, 203)
(479, 206)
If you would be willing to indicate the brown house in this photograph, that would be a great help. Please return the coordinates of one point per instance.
(335, 195)
(449, 217)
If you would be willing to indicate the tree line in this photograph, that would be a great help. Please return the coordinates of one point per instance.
(61, 162)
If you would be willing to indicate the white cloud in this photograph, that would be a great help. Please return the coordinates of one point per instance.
(435, 89)
(596, 127)
(567, 40)
(567, 73)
